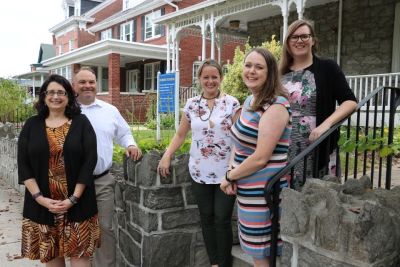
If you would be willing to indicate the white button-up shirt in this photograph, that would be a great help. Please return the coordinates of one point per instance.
(110, 127)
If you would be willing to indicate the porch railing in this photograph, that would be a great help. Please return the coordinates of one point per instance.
(369, 131)
(187, 92)
(18, 116)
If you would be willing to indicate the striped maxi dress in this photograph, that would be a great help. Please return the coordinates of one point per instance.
(253, 214)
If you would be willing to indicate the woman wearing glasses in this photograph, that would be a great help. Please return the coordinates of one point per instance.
(314, 85)
(56, 158)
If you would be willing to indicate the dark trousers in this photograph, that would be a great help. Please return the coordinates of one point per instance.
(216, 215)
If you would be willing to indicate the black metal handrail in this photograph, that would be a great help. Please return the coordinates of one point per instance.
(272, 188)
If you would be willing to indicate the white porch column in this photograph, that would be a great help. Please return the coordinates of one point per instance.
(168, 50)
(219, 46)
(203, 38)
(99, 79)
(212, 31)
(285, 14)
(300, 4)
(173, 36)
(33, 85)
(177, 43)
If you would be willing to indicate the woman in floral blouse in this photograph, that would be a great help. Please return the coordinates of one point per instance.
(209, 116)
(315, 85)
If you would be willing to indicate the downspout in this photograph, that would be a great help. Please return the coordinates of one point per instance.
(171, 4)
(339, 41)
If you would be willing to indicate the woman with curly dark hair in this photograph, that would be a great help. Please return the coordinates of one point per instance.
(56, 158)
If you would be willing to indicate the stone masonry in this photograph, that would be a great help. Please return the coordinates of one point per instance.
(158, 223)
(367, 33)
(332, 225)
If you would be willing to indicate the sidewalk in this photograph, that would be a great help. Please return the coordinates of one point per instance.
(11, 203)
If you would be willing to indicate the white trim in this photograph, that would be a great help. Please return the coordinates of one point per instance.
(74, 20)
(104, 48)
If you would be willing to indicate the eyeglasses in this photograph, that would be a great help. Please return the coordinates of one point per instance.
(303, 37)
(53, 93)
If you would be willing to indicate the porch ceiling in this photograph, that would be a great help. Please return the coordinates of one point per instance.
(96, 54)
(226, 10)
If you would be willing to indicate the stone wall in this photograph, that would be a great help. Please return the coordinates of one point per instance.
(328, 224)
(367, 33)
(158, 223)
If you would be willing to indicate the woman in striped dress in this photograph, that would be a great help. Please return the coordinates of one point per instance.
(261, 138)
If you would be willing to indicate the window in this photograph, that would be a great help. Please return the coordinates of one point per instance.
(104, 79)
(60, 50)
(106, 34)
(132, 80)
(127, 32)
(196, 66)
(64, 71)
(71, 45)
(152, 30)
(150, 75)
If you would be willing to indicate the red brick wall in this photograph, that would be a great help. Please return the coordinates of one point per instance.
(191, 51)
(114, 78)
(107, 12)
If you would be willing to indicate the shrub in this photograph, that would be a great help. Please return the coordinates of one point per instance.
(233, 83)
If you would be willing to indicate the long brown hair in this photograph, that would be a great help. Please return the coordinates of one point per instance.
(272, 86)
(287, 59)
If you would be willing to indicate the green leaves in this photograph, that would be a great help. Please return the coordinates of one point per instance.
(233, 83)
(369, 143)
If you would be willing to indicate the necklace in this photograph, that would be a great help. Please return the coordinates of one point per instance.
(211, 111)
(210, 98)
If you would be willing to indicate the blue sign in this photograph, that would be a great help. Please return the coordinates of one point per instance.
(166, 91)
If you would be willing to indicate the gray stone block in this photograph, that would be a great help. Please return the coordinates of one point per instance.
(119, 199)
(181, 169)
(162, 198)
(201, 257)
(172, 250)
(121, 218)
(132, 194)
(147, 169)
(190, 197)
(295, 213)
(308, 258)
(186, 218)
(129, 249)
(134, 232)
(147, 220)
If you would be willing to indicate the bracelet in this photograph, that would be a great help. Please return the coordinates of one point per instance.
(36, 195)
(73, 199)
(227, 178)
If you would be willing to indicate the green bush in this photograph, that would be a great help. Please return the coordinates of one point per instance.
(233, 83)
(13, 101)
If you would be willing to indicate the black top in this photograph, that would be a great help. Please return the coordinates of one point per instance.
(332, 87)
(80, 157)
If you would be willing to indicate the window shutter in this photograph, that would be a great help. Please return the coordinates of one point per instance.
(163, 26)
(134, 30)
(121, 30)
(143, 26)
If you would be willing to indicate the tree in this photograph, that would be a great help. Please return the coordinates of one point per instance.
(12, 97)
(233, 83)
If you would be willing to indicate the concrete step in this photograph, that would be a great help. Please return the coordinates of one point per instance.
(240, 259)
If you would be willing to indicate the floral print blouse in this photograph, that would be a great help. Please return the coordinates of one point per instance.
(211, 143)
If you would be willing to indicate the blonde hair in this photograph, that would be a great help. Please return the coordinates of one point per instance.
(287, 59)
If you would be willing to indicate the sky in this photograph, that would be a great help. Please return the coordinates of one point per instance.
(24, 25)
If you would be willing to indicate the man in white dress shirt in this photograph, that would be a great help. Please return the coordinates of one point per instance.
(110, 127)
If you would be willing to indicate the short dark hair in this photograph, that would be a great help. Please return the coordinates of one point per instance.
(71, 110)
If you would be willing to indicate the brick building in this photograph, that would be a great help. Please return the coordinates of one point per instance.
(120, 41)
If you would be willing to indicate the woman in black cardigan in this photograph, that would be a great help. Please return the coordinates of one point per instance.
(315, 86)
(56, 158)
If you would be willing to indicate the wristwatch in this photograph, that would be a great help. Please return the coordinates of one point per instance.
(73, 199)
